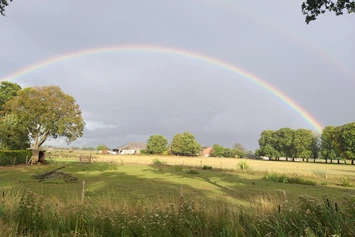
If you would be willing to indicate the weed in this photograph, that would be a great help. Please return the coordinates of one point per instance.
(346, 183)
(243, 165)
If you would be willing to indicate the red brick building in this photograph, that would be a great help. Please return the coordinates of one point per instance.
(205, 151)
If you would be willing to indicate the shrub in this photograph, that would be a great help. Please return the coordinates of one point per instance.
(243, 165)
(157, 161)
(282, 178)
(206, 167)
(165, 153)
(144, 152)
(346, 183)
(178, 168)
(13, 157)
(192, 172)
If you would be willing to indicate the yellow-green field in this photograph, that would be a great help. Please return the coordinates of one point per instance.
(120, 192)
(126, 176)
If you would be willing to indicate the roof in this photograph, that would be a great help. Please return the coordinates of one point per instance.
(133, 146)
(205, 147)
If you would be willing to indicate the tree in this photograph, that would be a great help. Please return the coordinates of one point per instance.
(268, 144)
(218, 150)
(46, 112)
(284, 142)
(347, 141)
(330, 143)
(13, 135)
(185, 144)
(102, 147)
(239, 150)
(176, 148)
(3, 4)
(229, 153)
(315, 146)
(8, 90)
(313, 8)
(157, 144)
(302, 141)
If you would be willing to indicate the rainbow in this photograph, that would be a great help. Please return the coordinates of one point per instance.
(174, 51)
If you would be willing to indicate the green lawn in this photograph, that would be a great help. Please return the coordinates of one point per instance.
(154, 186)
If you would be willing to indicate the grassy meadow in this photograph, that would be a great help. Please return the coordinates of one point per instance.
(152, 195)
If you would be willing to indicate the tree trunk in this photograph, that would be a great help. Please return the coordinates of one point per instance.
(352, 161)
(338, 161)
(302, 159)
(307, 159)
(314, 160)
(326, 160)
(293, 158)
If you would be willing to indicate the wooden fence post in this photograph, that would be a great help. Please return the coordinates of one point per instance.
(83, 192)
(181, 199)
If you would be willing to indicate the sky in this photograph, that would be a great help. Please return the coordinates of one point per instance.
(129, 96)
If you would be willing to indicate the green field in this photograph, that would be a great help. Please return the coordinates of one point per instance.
(132, 183)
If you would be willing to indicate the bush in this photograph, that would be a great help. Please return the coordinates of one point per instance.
(144, 152)
(282, 178)
(346, 183)
(205, 167)
(243, 165)
(192, 172)
(178, 168)
(157, 161)
(165, 153)
(11, 157)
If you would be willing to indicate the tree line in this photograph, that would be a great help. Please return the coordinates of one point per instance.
(185, 144)
(334, 143)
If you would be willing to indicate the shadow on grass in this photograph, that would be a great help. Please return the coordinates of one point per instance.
(142, 183)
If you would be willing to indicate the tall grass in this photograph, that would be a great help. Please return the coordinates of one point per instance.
(25, 213)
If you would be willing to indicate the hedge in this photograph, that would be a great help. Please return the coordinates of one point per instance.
(7, 157)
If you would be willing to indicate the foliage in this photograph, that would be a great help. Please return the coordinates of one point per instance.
(218, 151)
(286, 142)
(185, 145)
(13, 135)
(347, 140)
(346, 183)
(283, 178)
(157, 144)
(243, 165)
(158, 161)
(47, 112)
(309, 217)
(87, 148)
(102, 147)
(302, 143)
(191, 171)
(330, 143)
(13, 157)
(8, 90)
(268, 144)
(206, 167)
(313, 8)
(315, 146)
(3, 4)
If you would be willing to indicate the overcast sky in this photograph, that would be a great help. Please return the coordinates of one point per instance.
(128, 96)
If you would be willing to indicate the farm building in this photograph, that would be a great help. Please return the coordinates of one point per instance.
(205, 151)
(131, 148)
